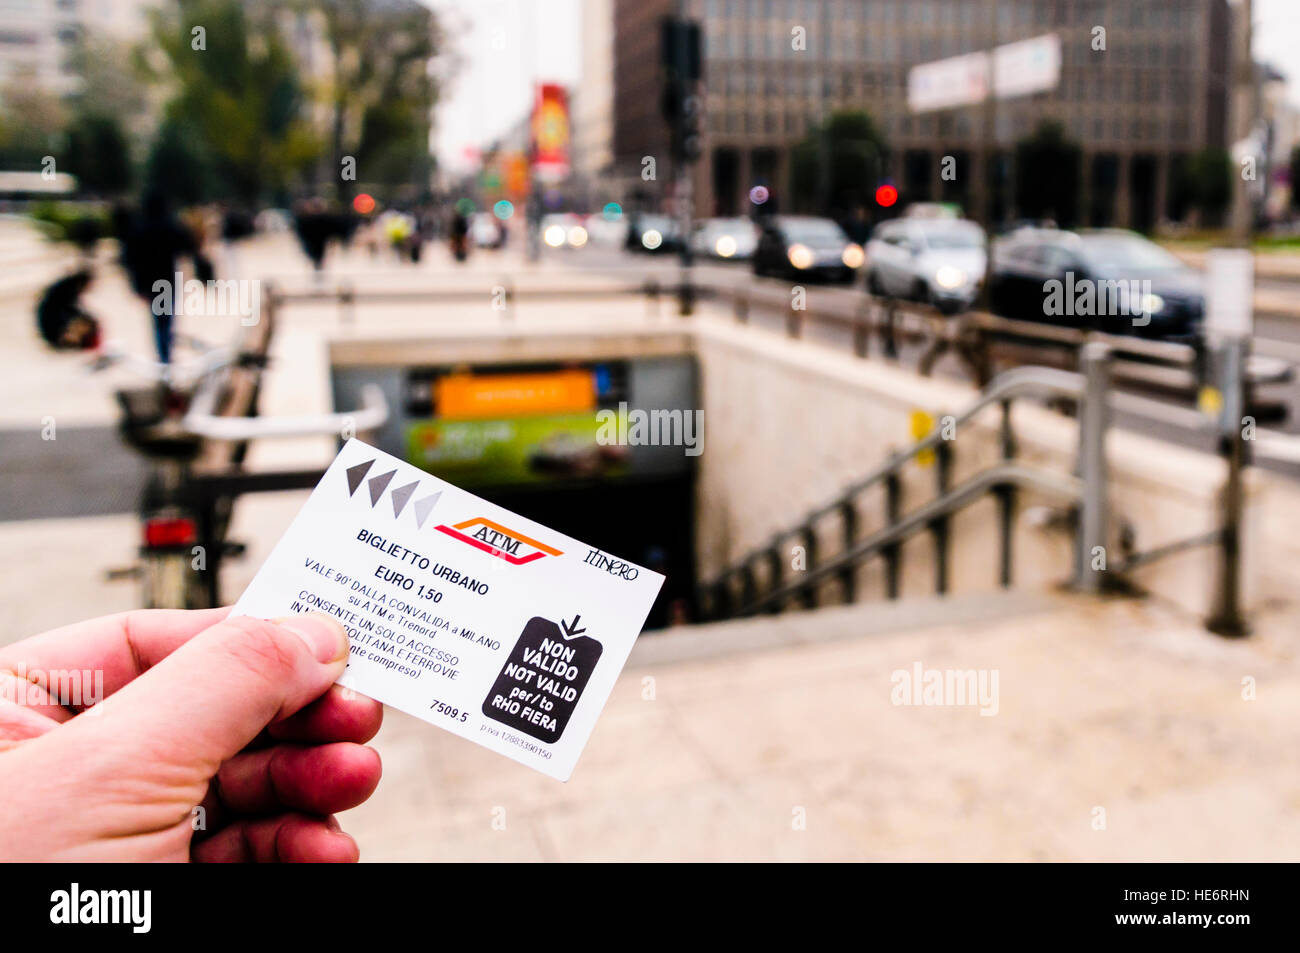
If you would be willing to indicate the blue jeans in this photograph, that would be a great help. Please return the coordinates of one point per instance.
(162, 336)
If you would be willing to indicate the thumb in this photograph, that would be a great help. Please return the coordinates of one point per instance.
(207, 700)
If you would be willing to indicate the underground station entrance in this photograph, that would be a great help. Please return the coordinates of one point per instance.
(821, 479)
(602, 449)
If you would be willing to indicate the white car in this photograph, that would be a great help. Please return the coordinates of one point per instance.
(563, 231)
(606, 232)
(486, 231)
(937, 261)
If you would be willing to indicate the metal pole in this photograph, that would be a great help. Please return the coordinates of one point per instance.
(987, 162)
(1094, 414)
(849, 575)
(1006, 496)
(1227, 617)
(941, 525)
(690, 105)
(893, 511)
(1240, 98)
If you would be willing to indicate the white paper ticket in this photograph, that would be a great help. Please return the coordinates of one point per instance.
(459, 612)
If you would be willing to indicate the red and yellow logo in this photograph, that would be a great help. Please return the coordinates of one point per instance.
(495, 539)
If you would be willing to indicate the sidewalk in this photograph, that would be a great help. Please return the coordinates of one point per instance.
(1117, 706)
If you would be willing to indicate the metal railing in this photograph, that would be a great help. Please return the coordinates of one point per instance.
(1171, 367)
(735, 591)
(978, 338)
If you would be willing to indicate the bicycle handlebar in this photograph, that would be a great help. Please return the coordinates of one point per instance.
(372, 414)
(207, 363)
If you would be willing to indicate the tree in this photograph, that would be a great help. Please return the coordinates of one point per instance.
(31, 124)
(1048, 173)
(839, 164)
(1207, 183)
(177, 167)
(110, 82)
(96, 152)
(380, 92)
(236, 97)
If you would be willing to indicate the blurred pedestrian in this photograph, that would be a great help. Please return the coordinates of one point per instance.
(312, 225)
(150, 249)
(458, 235)
(236, 225)
(60, 318)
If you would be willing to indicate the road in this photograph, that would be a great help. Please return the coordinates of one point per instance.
(1277, 334)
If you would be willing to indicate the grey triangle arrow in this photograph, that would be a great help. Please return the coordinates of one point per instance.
(400, 496)
(379, 484)
(424, 507)
(356, 474)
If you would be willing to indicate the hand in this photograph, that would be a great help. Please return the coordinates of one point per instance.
(215, 740)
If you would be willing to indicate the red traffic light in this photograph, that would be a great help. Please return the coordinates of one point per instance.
(886, 195)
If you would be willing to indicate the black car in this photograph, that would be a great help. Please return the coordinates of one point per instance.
(1105, 280)
(653, 234)
(804, 248)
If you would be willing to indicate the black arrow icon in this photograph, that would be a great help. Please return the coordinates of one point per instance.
(571, 628)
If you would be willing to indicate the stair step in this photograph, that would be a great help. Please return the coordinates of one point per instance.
(712, 639)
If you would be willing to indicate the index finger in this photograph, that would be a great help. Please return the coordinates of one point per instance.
(121, 647)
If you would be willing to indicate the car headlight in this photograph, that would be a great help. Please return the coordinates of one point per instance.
(950, 278)
(725, 246)
(651, 239)
(800, 256)
(577, 236)
(554, 236)
(853, 256)
(1151, 304)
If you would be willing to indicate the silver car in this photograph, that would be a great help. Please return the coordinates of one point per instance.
(937, 261)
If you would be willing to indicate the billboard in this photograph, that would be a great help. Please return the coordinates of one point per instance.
(1031, 66)
(537, 422)
(550, 132)
(1019, 69)
(493, 426)
(958, 81)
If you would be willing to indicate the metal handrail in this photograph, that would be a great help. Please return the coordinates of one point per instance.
(1066, 488)
(1087, 490)
(372, 414)
(1009, 385)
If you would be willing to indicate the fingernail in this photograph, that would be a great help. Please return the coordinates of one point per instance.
(326, 639)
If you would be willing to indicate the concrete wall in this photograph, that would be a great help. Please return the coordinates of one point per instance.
(789, 424)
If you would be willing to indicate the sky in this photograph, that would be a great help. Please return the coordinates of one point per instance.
(1277, 39)
(501, 47)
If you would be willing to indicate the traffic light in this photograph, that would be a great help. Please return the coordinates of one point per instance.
(679, 47)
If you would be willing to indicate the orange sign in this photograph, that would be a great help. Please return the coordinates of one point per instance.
(516, 164)
(551, 130)
(475, 396)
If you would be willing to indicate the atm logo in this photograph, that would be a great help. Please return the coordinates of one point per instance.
(495, 539)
